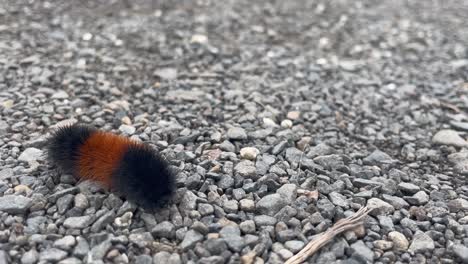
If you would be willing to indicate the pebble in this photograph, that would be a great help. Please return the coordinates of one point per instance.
(143, 259)
(191, 238)
(249, 153)
(459, 160)
(400, 243)
(78, 222)
(456, 205)
(270, 204)
(236, 133)
(29, 257)
(52, 255)
(247, 227)
(378, 156)
(286, 123)
(360, 250)
(126, 129)
(15, 204)
(419, 198)
(247, 205)
(245, 168)
(164, 229)
(293, 115)
(65, 243)
(379, 207)
(461, 252)
(30, 155)
(166, 73)
(294, 245)
(408, 188)
(288, 192)
(449, 137)
(421, 243)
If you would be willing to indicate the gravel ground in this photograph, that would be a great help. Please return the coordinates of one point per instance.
(364, 101)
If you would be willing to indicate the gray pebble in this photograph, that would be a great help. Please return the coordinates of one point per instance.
(164, 229)
(78, 222)
(421, 243)
(270, 204)
(30, 155)
(15, 204)
(361, 251)
(190, 239)
(236, 133)
(52, 255)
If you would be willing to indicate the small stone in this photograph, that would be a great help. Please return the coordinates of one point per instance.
(164, 229)
(236, 133)
(421, 243)
(6, 173)
(30, 155)
(205, 209)
(461, 252)
(199, 39)
(383, 244)
(338, 199)
(52, 255)
(271, 204)
(449, 137)
(420, 198)
(321, 149)
(265, 220)
(166, 73)
(103, 221)
(247, 227)
(15, 204)
(141, 239)
(81, 201)
(268, 122)
(65, 243)
(29, 257)
(399, 240)
(78, 222)
(230, 206)
(124, 221)
(379, 207)
(329, 162)
(161, 257)
(286, 123)
(246, 168)
(293, 115)
(303, 143)
(126, 129)
(249, 153)
(60, 95)
(395, 201)
(278, 148)
(361, 251)
(294, 245)
(455, 205)
(460, 160)
(189, 201)
(70, 261)
(143, 259)
(247, 205)
(377, 157)
(409, 188)
(288, 192)
(190, 239)
(81, 248)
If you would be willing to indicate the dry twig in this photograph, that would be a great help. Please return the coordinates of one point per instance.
(322, 239)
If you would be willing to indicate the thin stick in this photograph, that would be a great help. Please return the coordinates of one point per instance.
(344, 224)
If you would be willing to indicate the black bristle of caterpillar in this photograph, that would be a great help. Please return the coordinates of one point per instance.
(144, 177)
(63, 145)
